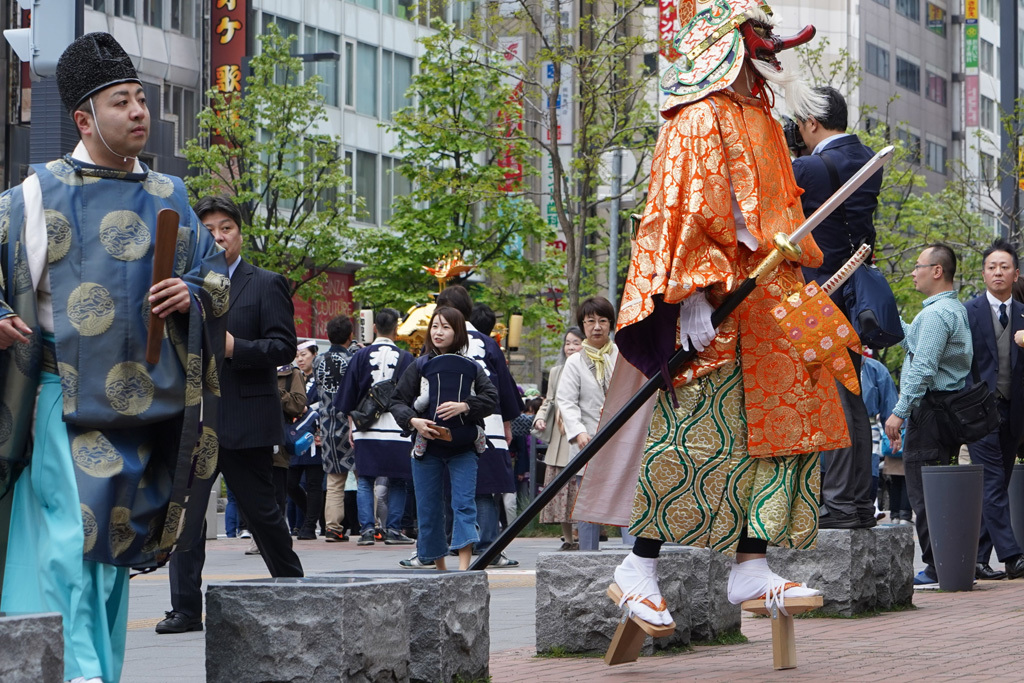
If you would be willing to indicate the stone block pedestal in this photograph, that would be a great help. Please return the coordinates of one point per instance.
(575, 615)
(31, 649)
(857, 570)
(425, 626)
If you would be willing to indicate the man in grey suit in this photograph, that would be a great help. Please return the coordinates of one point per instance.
(260, 337)
(995, 320)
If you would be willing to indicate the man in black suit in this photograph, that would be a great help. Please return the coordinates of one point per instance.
(995, 320)
(260, 337)
(847, 499)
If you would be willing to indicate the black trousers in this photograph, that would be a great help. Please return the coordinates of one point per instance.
(996, 454)
(846, 480)
(927, 443)
(248, 474)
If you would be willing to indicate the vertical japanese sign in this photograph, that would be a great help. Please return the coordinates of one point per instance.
(667, 29)
(971, 45)
(510, 49)
(227, 45)
(563, 102)
(971, 104)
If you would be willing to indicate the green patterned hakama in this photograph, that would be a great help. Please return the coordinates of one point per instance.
(699, 487)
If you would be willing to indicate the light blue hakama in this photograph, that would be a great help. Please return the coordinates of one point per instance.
(46, 570)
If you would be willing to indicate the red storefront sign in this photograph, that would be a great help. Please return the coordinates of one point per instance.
(667, 29)
(228, 22)
(311, 318)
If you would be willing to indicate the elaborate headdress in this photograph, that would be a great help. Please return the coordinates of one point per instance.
(716, 36)
(90, 64)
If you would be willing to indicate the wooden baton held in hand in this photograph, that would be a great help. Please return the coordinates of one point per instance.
(163, 268)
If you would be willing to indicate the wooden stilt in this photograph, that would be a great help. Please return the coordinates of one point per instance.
(630, 633)
(783, 635)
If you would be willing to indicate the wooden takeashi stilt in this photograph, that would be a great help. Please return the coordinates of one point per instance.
(630, 633)
(783, 637)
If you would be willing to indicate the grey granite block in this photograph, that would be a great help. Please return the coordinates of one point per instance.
(449, 623)
(857, 570)
(31, 649)
(575, 615)
(308, 630)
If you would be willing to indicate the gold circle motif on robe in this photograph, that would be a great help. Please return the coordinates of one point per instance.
(68, 386)
(90, 528)
(122, 535)
(218, 286)
(125, 235)
(205, 454)
(129, 388)
(58, 235)
(90, 309)
(65, 172)
(5, 217)
(95, 455)
(158, 185)
(193, 380)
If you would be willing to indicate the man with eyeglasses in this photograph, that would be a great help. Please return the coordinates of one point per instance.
(939, 354)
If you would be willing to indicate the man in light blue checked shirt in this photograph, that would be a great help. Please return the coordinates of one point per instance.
(939, 355)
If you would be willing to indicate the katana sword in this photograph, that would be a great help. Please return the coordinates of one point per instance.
(785, 247)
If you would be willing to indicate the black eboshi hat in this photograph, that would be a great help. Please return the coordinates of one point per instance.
(90, 64)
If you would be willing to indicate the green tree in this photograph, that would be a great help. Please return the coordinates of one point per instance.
(461, 147)
(287, 178)
(596, 59)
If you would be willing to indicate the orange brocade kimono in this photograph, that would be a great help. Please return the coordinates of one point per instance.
(687, 241)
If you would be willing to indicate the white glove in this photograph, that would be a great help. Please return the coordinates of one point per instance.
(695, 322)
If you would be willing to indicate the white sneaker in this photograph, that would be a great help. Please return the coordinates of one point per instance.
(245, 533)
(253, 549)
(637, 578)
(753, 580)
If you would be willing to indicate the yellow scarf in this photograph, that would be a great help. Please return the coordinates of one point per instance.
(598, 355)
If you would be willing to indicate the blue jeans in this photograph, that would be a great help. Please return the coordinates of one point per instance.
(487, 518)
(364, 503)
(428, 476)
(231, 519)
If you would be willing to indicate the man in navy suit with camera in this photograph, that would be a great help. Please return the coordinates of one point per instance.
(834, 156)
(995, 320)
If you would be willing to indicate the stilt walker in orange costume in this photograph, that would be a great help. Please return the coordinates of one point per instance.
(730, 456)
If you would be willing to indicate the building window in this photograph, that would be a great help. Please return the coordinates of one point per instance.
(98, 5)
(936, 20)
(403, 9)
(935, 89)
(183, 17)
(362, 78)
(153, 13)
(988, 114)
(322, 41)
(365, 174)
(877, 61)
(181, 106)
(394, 184)
(911, 9)
(908, 75)
(935, 156)
(396, 78)
(986, 167)
(287, 29)
(912, 143)
(430, 9)
(987, 57)
(990, 9)
(124, 8)
(372, 4)
(462, 13)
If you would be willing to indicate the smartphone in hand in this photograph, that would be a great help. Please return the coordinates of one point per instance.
(443, 433)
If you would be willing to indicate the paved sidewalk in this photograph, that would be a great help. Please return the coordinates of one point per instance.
(950, 636)
(964, 636)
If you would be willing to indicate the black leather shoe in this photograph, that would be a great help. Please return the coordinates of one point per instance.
(1015, 568)
(986, 573)
(178, 622)
(835, 520)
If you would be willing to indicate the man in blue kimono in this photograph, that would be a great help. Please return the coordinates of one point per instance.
(96, 444)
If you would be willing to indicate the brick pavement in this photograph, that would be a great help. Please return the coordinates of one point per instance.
(975, 635)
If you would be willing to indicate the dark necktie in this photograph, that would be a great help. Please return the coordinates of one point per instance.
(1003, 320)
